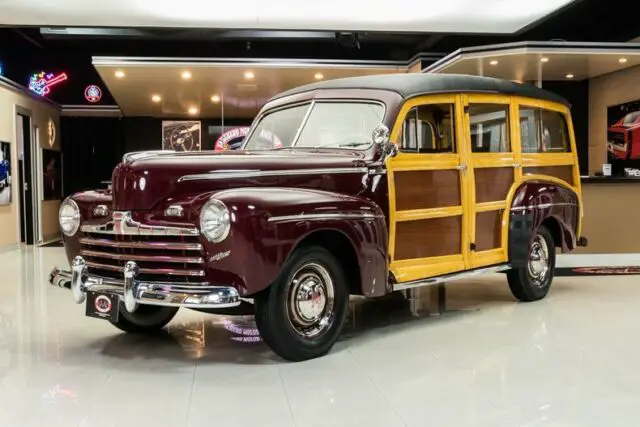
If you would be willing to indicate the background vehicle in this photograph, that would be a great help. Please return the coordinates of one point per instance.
(624, 138)
(324, 201)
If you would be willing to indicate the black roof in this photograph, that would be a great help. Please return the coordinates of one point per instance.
(410, 85)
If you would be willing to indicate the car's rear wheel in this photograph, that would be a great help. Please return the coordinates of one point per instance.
(301, 314)
(146, 319)
(533, 281)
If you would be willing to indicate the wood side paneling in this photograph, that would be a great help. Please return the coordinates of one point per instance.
(427, 189)
(488, 230)
(428, 238)
(564, 173)
(492, 184)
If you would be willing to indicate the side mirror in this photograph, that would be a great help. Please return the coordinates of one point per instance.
(380, 137)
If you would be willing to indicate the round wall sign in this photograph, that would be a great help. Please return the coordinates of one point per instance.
(92, 93)
(51, 133)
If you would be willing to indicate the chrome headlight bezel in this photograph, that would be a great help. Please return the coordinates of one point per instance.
(215, 209)
(74, 218)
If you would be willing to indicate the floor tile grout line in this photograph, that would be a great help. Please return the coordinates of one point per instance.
(384, 396)
(193, 383)
(286, 395)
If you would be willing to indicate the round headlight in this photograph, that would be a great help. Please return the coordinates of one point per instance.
(215, 221)
(69, 217)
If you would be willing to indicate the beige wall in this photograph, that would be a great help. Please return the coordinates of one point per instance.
(609, 219)
(41, 112)
(604, 91)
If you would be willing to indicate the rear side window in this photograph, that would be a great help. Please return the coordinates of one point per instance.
(489, 128)
(543, 131)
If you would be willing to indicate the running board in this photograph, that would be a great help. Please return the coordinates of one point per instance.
(450, 277)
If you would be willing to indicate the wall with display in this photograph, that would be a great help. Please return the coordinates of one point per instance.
(623, 138)
(5, 173)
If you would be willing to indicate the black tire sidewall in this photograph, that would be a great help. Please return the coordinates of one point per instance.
(272, 311)
(521, 283)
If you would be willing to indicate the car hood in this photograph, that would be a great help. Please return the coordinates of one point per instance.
(140, 183)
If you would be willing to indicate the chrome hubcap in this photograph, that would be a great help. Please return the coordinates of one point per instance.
(311, 300)
(538, 266)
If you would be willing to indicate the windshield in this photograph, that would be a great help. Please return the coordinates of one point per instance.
(320, 124)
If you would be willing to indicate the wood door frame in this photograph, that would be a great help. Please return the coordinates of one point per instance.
(417, 268)
(485, 161)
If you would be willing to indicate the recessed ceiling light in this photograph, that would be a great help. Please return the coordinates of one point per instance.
(544, 59)
(186, 75)
(493, 62)
(156, 98)
(622, 60)
(215, 98)
(249, 75)
(119, 74)
(570, 76)
(193, 111)
(319, 76)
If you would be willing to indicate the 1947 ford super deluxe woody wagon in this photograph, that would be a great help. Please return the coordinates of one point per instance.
(364, 185)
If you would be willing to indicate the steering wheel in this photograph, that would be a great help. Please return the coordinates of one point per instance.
(356, 138)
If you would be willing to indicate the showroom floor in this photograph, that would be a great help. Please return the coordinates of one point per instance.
(569, 360)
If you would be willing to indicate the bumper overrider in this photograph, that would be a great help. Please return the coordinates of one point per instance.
(133, 292)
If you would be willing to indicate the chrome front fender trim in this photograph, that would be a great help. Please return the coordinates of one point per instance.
(226, 174)
(323, 216)
(122, 223)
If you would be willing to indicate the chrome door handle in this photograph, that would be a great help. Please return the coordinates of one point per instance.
(461, 167)
(517, 165)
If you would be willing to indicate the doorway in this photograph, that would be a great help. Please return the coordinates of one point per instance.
(27, 188)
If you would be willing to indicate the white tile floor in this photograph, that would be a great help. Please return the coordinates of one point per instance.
(569, 360)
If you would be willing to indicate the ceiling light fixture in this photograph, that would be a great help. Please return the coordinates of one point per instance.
(193, 111)
(570, 76)
(215, 99)
(156, 98)
(622, 60)
(186, 75)
(493, 62)
(249, 75)
(119, 74)
(319, 76)
(544, 59)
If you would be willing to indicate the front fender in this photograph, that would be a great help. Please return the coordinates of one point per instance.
(269, 223)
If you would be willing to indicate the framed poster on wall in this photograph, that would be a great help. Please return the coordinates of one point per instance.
(51, 174)
(623, 138)
(181, 135)
(5, 173)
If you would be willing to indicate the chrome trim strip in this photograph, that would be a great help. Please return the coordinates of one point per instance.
(141, 245)
(122, 223)
(279, 172)
(450, 277)
(134, 292)
(323, 216)
(137, 155)
(149, 258)
(165, 271)
(540, 206)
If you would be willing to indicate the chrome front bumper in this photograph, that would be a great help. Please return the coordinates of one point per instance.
(133, 292)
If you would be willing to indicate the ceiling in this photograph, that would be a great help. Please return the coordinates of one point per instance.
(453, 16)
(551, 61)
(241, 97)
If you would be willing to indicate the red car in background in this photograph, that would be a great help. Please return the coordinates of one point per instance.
(623, 138)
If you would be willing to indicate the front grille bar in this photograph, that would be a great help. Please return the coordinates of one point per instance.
(141, 245)
(148, 258)
(163, 271)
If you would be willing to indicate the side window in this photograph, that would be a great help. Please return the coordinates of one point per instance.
(428, 129)
(543, 131)
(489, 128)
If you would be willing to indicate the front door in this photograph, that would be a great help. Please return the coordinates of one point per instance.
(494, 166)
(429, 233)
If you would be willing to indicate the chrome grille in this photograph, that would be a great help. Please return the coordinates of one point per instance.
(160, 258)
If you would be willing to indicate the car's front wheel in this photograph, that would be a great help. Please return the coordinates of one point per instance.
(146, 319)
(302, 313)
(533, 281)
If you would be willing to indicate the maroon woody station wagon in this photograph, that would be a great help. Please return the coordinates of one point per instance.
(365, 186)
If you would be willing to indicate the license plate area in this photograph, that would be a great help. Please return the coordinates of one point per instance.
(103, 306)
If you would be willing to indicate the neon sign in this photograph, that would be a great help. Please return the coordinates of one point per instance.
(41, 83)
(92, 93)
